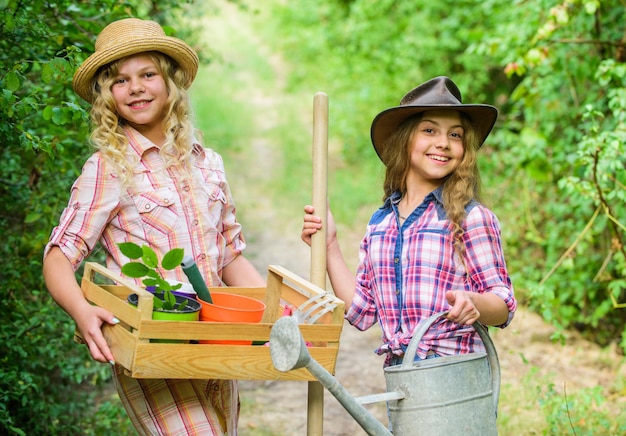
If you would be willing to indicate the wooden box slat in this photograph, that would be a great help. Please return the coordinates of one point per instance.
(219, 361)
(112, 302)
(199, 330)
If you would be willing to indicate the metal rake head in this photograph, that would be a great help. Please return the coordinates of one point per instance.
(314, 308)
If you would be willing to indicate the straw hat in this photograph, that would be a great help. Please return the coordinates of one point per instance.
(437, 93)
(127, 37)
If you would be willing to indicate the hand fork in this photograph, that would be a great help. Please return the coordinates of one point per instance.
(306, 312)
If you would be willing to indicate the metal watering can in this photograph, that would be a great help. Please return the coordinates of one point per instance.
(448, 395)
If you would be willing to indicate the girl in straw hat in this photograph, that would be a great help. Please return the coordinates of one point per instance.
(150, 182)
(432, 246)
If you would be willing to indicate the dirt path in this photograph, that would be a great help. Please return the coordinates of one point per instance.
(529, 360)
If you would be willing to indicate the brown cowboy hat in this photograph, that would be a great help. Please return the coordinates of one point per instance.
(127, 37)
(437, 93)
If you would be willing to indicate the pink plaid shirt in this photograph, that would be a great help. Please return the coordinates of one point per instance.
(405, 271)
(159, 209)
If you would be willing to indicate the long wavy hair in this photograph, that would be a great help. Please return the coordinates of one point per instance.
(108, 131)
(459, 187)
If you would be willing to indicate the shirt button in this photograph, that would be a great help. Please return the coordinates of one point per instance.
(396, 260)
(186, 188)
(195, 222)
(166, 200)
(203, 256)
(147, 206)
(397, 291)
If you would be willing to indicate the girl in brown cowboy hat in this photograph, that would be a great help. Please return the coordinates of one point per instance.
(431, 247)
(150, 182)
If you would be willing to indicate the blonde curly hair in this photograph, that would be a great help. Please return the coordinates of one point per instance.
(459, 188)
(108, 132)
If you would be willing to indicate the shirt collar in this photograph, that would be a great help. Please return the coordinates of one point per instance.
(137, 142)
(140, 144)
(395, 198)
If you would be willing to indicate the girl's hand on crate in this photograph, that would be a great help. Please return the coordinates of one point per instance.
(89, 322)
(61, 282)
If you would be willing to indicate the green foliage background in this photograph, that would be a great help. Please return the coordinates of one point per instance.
(553, 170)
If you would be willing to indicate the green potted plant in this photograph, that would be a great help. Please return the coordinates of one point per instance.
(145, 263)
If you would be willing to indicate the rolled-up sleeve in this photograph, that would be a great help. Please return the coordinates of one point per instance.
(363, 313)
(94, 198)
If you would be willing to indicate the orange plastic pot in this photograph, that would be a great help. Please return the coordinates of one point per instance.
(231, 308)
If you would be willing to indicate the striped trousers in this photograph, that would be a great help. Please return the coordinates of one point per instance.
(175, 407)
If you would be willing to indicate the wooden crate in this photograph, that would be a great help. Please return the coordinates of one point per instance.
(130, 339)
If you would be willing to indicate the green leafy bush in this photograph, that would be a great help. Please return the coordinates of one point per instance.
(48, 384)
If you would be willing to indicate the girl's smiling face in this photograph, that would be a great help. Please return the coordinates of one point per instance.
(436, 147)
(140, 95)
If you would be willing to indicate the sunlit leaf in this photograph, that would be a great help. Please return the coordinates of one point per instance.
(173, 258)
(149, 257)
(130, 250)
(135, 269)
(12, 81)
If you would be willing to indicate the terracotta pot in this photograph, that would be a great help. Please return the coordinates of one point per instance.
(231, 308)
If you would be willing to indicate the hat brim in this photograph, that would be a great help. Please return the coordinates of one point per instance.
(175, 48)
(385, 123)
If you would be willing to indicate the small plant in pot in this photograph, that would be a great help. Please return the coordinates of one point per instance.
(145, 263)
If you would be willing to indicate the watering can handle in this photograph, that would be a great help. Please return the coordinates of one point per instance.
(492, 355)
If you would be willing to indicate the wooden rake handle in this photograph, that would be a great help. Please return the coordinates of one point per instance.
(315, 412)
(320, 187)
